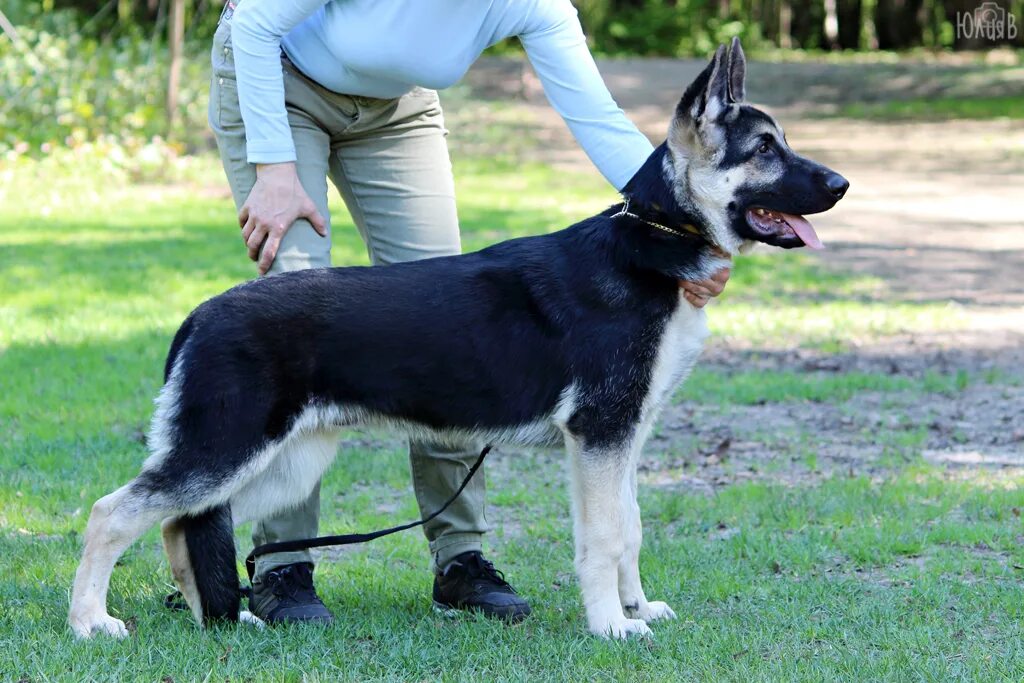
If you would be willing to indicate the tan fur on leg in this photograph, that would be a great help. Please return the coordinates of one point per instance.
(598, 479)
(117, 520)
(181, 566)
(631, 592)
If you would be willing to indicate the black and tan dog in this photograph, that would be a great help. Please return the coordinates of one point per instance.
(578, 337)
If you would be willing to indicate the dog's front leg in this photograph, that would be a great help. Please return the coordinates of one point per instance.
(117, 520)
(599, 476)
(631, 592)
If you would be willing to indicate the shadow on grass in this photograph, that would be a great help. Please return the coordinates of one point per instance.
(153, 261)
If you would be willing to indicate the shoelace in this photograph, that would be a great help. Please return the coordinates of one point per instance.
(292, 584)
(485, 570)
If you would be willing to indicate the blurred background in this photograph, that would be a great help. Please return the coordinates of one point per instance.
(57, 56)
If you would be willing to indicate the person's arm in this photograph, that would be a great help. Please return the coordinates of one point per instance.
(557, 49)
(257, 28)
(277, 198)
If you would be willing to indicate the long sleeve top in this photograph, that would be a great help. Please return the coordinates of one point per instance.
(384, 48)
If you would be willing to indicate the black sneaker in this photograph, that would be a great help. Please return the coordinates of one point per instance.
(471, 583)
(286, 595)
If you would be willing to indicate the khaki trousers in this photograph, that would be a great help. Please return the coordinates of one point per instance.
(389, 161)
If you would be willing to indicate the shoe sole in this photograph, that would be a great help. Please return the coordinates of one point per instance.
(449, 612)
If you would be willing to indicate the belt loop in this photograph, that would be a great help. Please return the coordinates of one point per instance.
(227, 12)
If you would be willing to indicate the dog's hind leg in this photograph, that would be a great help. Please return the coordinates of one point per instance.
(631, 592)
(117, 520)
(173, 532)
(201, 550)
(599, 482)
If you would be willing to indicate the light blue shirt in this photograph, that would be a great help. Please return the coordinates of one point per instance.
(384, 48)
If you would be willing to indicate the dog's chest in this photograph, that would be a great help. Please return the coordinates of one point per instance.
(681, 343)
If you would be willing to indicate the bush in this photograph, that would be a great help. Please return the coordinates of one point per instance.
(60, 87)
(679, 28)
(90, 175)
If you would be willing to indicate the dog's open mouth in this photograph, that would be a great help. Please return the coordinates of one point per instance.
(783, 225)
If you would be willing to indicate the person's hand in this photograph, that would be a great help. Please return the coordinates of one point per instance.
(275, 202)
(699, 293)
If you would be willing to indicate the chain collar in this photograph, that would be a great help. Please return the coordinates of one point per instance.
(691, 231)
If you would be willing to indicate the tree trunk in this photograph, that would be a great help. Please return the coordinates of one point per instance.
(831, 26)
(785, 24)
(175, 41)
(805, 27)
(849, 15)
(898, 23)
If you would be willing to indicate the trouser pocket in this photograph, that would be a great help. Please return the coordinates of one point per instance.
(221, 57)
(224, 112)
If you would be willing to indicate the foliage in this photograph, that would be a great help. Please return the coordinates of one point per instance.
(628, 27)
(693, 27)
(61, 86)
(663, 27)
(79, 70)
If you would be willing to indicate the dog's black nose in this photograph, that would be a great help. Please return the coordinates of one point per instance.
(837, 185)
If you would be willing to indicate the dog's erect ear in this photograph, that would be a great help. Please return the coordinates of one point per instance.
(716, 98)
(737, 71)
(691, 105)
(709, 88)
(705, 100)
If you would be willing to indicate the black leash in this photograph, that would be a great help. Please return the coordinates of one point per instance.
(176, 601)
(351, 539)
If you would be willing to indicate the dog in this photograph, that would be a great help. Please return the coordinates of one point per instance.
(576, 337)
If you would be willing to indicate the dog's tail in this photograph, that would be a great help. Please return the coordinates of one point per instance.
(210, 539)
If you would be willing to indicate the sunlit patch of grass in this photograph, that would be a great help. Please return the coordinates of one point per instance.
(779, 276)
(938, 109)
(797, 299)
(829, 324)
(763, 386)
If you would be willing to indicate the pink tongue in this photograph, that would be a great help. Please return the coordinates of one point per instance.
(803, 229)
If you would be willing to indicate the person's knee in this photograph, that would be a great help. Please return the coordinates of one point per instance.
(302, 248)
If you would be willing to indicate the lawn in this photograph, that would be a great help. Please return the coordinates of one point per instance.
(907, 571)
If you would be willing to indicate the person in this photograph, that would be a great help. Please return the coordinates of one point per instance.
(303, 90)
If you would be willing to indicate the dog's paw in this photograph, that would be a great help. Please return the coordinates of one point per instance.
(247, 617)
(650, 611)
(100, 624)
(621, 628)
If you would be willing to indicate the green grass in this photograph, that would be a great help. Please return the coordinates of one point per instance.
(755, 387)
(906, 574)
(938, 109)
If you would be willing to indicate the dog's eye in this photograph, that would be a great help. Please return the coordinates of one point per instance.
(764, 148)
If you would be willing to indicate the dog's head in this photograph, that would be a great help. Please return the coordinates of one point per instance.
(729, 163)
